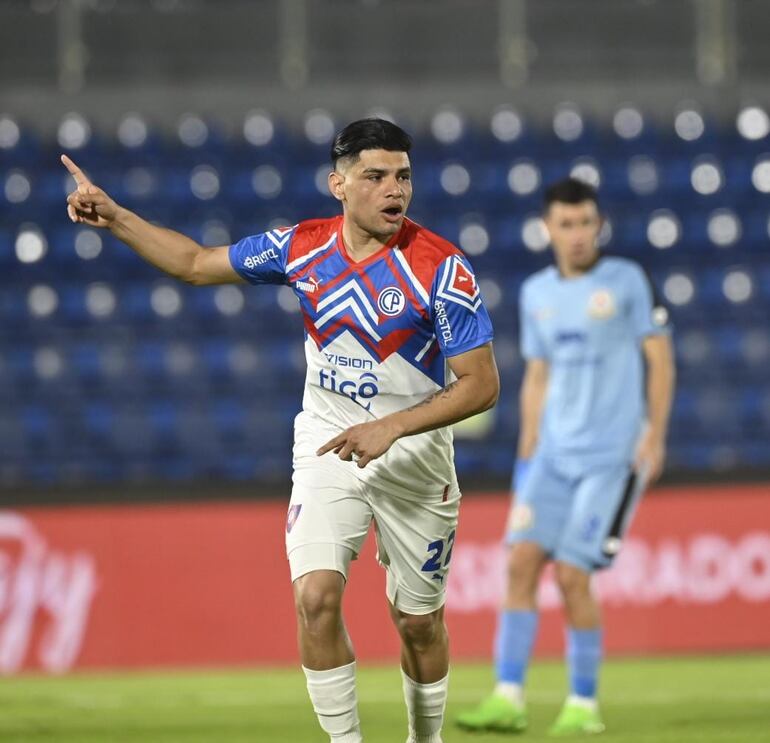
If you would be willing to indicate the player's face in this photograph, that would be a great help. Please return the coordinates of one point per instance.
(574, 231)
(375, 190)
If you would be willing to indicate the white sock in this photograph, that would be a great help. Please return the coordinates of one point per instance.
(425, 705)
(585, 702)
(511, 691)
(333, 694)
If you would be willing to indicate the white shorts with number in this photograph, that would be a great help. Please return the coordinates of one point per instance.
(332, 508)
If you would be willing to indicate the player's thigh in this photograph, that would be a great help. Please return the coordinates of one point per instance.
(540, 509)
(328, 517)
(414, 544)
(604, 503)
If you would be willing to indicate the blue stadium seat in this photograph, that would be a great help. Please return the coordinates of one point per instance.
(109, 371)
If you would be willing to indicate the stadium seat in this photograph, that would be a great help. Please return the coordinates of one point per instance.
(112, 371)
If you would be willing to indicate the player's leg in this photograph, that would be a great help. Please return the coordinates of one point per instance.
(415, 539)
(580, 713)
(424, 671)
(537, 517)
(604, 501)
(321, 635)
(328, 521)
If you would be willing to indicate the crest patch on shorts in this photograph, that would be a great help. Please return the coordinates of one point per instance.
(522, 517)
(292, 516)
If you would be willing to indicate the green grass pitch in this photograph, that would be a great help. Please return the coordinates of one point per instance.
(662, 700)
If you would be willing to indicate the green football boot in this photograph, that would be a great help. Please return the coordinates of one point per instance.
(575, 719)
(497, 713)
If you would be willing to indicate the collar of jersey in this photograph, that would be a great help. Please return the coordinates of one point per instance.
(343, 251)
(583, 275)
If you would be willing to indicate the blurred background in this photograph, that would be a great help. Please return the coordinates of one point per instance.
(215, 118)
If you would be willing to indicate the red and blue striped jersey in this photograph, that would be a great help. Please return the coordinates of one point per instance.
(378, 332)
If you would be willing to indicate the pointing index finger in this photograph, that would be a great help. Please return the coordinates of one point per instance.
(331, 444)
(75, 171)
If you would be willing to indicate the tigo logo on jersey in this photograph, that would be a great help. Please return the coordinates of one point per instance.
(391, 301)
(364, 388)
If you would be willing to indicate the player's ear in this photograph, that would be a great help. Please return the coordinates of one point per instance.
(336, 185)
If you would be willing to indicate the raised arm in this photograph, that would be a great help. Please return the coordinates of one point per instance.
(476, 389)
(165, 249)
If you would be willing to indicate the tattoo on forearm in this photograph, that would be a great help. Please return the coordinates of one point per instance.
(444, 393)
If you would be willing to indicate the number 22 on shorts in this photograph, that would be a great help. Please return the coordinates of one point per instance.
(434, 562)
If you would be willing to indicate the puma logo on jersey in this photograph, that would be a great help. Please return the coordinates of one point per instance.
(309, 286)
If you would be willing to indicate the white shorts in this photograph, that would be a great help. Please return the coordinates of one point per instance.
(329, 516)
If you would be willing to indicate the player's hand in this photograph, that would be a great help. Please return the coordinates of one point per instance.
(650, 456)
(362, 443)
(88, 204)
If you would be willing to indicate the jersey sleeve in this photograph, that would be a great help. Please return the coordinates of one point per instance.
(261, 259)
(460, 320)
(648, 314)
(530, 340)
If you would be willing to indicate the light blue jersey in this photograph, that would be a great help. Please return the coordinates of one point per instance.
(578, 498)
(589, 330)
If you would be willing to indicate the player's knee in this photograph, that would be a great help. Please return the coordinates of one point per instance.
(572, 581)
(524, 566)
(419, 631)
(318, 603)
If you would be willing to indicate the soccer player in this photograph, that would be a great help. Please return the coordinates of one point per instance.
(595, 403)
(398, 348)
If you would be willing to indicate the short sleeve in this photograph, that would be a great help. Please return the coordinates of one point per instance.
(530, 339)
(648, 314)
(460, 320)
(261, 259)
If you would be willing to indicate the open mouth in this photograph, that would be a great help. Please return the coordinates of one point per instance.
(393, 212)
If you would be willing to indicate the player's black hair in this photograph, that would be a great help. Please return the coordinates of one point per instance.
(369, 134)
(569, 191)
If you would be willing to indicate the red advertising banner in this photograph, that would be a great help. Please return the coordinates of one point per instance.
(208, 584)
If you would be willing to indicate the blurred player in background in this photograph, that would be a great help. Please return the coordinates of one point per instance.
(398, 347)
(591, 438)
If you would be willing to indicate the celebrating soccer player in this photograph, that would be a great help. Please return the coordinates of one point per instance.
(592, 436)
(398, 347)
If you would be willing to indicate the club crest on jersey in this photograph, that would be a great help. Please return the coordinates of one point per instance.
(601, 304)
(292, 516)
(391, 301)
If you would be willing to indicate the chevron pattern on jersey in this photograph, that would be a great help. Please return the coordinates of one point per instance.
(279, 237)
(349, 297)
(458, 284)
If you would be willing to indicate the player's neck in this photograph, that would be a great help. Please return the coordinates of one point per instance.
(359, 244)
(569, 271)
